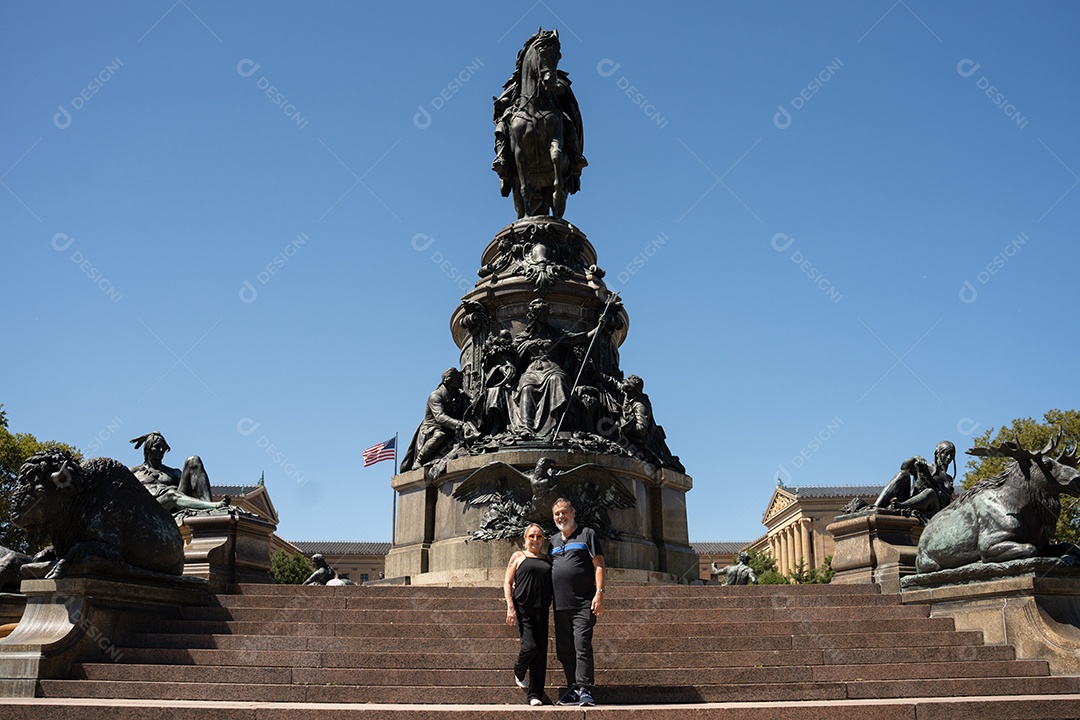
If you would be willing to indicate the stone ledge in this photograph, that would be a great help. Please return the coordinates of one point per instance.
(1031, 707)
(86, 618)
(1039, 616)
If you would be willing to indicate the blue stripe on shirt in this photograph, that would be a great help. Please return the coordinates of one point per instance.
(572, 546)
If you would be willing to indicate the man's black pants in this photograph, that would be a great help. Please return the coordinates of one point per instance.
(573, 645)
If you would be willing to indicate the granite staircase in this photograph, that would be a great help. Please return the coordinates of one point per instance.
(768, 651)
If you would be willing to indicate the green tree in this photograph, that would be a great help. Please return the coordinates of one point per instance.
(772, 577)
(289, 569)
(15, 448)
(764, 566)
(821, 575)
(1032, 435)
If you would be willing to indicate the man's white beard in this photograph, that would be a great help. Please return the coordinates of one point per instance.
(563, 524)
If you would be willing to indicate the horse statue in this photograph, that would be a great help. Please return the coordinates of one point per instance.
(538, 136)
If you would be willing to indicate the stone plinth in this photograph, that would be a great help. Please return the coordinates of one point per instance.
(874, 548)
(86, 619)
(433, 536)
(1037, 615)
(227, 549)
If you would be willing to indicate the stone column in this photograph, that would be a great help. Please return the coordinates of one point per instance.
(785, 551)
(779, 556)
(807, 538)
(800, 542)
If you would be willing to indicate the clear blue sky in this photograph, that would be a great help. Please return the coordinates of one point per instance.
(857, 226)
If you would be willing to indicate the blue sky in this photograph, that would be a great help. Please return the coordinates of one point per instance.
(842, 231)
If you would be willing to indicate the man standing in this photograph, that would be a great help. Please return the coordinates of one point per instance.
(577, 577)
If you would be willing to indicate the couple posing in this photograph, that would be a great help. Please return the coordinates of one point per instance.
(574, 576)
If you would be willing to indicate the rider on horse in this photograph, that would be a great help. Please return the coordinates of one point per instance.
(512, 102)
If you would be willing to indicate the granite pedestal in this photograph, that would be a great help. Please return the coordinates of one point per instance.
(433, 542)
(874, 548)
(1036, 613)
(82, 619)
(227, 549)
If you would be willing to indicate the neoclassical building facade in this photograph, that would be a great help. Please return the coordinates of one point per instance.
(796, 518)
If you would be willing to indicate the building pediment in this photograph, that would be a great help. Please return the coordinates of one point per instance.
(781, 500)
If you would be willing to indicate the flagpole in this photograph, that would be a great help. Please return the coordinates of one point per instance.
(393, 512)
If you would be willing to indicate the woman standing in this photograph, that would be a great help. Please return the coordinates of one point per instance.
(527, 589)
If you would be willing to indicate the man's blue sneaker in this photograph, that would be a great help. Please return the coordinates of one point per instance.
(585, 698)
(570, 698)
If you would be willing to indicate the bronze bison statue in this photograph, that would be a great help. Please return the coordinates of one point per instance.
(93, 515)
(1008, 517)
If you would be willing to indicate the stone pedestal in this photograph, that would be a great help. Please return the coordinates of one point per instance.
(1037, 615)
(432, 539)
(85, 619)
(874, 548)
(227, 549)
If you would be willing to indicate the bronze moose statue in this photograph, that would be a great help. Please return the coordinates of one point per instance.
(1011, 516)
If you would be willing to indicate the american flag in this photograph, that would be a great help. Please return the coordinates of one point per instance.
(383, 451)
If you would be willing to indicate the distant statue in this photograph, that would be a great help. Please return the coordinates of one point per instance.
(919, 488)
(538, 133)
(323, 573)
(738, 574)
(444, 422)
(181, 492)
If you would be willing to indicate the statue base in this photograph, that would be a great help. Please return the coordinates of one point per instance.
(85, 619)
(1038, 615)
(227, 549)
(433, 537)
(875, 547)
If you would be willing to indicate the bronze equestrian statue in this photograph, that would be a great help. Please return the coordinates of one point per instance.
(538, 135)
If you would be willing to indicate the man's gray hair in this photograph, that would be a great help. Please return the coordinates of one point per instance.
(561, 501)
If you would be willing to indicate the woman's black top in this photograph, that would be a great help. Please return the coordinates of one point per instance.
(532, 583)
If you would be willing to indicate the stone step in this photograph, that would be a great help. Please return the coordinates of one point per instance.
(623, 590)
(405, 630)
(308, 647)
(509, 642)
(495, 602)
(607, 695)
(608, 677)
(878, 615)
(450, 659)
(923, 708)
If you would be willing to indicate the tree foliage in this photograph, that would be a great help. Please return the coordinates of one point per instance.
(1032, 435)
(821, 575)
(15, 448)
(289, 569)
(764, 566)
